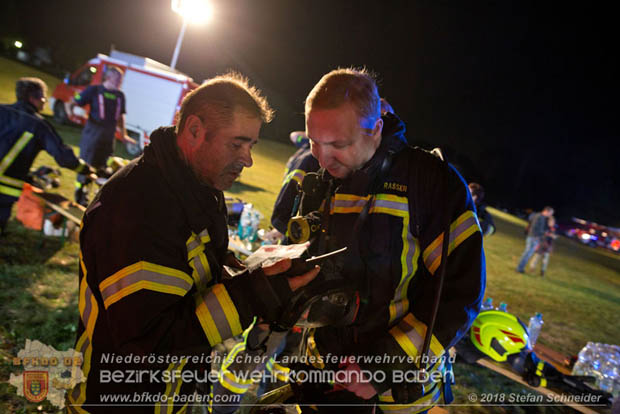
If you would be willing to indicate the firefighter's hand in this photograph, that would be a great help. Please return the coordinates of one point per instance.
(86, 169)
(294, 282)
(231, 261)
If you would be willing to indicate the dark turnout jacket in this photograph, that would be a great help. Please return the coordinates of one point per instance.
(152, 246)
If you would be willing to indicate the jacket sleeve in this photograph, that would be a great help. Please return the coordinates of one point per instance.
(53, 144)
(464, 282)
(156, 294)
(85, 97)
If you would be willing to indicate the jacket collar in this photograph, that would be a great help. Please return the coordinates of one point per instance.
(203, 206)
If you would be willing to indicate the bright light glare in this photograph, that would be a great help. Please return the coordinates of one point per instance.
(194, 11)
(18, 44)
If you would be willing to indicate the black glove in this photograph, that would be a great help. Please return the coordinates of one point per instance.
(256, 294)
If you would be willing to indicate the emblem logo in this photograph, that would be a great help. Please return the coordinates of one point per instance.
(35, 385)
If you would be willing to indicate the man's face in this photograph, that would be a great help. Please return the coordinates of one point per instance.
(219, 160)
(113, 80)
(339, 141)
(38, 100)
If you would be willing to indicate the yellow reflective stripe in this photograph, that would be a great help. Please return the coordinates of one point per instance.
(399, 305)
(14, 151)
(87, 303)
(230, 358)
(281, 372)
(183, 409)
(296, 175)
(77, 395)
(417, 406)
(410, 333)
(313, 352)
(217, 315)
(144, 275)
(543, 382)
(233, 383)
(420, 327)
(382, 204)
(463, 227)
(172, 388)
(10, 191)
(11, 181)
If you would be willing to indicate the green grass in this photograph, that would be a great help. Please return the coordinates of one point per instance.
(579, 297)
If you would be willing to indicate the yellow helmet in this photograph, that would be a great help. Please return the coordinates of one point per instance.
(499, 334)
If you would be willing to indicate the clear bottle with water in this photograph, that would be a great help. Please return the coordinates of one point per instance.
(254, 223)
(533, 329)
(502, 307)
(245, 222)
(487, 305)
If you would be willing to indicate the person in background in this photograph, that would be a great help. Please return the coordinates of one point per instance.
(484, 217)
(23, 134)
(545, 247)
(107, 111)
(534, 232)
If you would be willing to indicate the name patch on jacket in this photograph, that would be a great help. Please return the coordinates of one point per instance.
(401, 188)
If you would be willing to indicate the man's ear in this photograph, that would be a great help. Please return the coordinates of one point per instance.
(194, 129)
(378, 128)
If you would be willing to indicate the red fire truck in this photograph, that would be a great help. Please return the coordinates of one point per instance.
(153, 92)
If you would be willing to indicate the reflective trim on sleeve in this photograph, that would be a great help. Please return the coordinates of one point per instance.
(217, 314)
(87, 303)
(279, 371)
(463, 227)
(201, 270)
(295, 175)
(14, 152)
(77, 396)
(173, 387)
(234, 383)
(410, 333)
(422, 404)
(144, 275)
(10, 191)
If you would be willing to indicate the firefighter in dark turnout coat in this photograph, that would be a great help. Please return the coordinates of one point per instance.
(404, 195)
(23, 134)
(153, 242)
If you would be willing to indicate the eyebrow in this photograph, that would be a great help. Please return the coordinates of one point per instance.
(245, 139)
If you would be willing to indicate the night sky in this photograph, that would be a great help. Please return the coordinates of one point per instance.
(521, 96)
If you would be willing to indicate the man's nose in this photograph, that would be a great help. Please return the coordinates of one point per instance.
(246, 158)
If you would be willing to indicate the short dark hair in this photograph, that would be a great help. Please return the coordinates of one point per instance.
(347, 86)
(216, 100)
(113, 70)
(25, 88)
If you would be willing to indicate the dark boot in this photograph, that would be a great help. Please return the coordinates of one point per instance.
(80, 196)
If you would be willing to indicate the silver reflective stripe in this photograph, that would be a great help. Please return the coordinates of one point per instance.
(88, 306)
(350, 203)
(453, 235)
(144, 275)
(394, 205)
(218, 315)
(413, 335)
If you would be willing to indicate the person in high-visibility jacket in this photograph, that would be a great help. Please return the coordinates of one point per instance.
(390, 204)
(23, 134)
(153, 296)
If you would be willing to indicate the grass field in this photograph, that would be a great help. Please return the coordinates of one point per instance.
(579, 297)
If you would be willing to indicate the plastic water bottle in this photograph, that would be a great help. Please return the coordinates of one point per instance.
(487, 305)
(245, 222)
(502, 307)
(254, 222)
(584, 360)
(533, 329)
